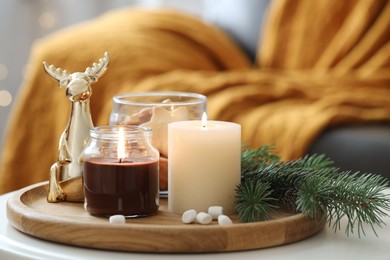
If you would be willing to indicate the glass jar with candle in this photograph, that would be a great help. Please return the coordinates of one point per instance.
(121, 172)
(157, 110)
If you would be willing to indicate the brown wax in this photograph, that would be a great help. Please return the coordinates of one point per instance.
(127, 188)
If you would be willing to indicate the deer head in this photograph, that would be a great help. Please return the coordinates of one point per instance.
(78, 84)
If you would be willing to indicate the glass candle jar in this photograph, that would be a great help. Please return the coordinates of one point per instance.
(121, 172)
(157, 110)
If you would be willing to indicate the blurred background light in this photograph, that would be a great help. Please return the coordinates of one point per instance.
(5, 98)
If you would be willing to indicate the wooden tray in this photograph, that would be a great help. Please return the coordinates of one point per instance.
(69, 223)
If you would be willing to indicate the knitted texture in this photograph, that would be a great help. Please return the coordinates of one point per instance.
(320, 64)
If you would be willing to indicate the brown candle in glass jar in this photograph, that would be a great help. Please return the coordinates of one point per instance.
(121, 187)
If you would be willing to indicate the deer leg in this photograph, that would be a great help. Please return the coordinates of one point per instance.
(56, 194)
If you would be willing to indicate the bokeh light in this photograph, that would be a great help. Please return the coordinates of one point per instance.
(5, 98)
(47, 20)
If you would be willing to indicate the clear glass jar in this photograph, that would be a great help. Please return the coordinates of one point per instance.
(157, 110)
(121, 172)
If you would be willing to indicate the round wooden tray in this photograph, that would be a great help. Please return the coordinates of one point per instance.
(68, 223)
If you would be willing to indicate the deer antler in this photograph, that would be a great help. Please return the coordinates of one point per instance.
(62, 76)
(98, 69)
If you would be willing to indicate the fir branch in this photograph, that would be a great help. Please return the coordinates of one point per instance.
(254, 201)
(285, 178)
(251, 159)
(359, 197)
(312, 186)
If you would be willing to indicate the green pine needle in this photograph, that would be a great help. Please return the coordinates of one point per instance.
(254, 201)
(359, 197)
(312, 186)
(251, 159)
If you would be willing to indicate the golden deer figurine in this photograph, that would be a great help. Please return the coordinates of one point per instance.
(65, 182)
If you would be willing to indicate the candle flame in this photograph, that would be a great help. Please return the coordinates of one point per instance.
(204, 120)
(121, 144)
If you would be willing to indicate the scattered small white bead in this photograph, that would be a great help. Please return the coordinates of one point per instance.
(203, 218)
(215, 211)
(189, 216)
(117, 219)
(224, 220)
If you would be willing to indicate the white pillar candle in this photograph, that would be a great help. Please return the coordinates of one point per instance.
(204, 165)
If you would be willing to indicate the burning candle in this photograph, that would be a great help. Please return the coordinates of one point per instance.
(120, 172)
(204, 165)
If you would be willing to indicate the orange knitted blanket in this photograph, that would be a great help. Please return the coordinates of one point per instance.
(320, 64)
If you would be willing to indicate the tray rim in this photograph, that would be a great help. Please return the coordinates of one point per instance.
(19, 213)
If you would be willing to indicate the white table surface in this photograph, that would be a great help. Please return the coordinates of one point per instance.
(325, 245)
